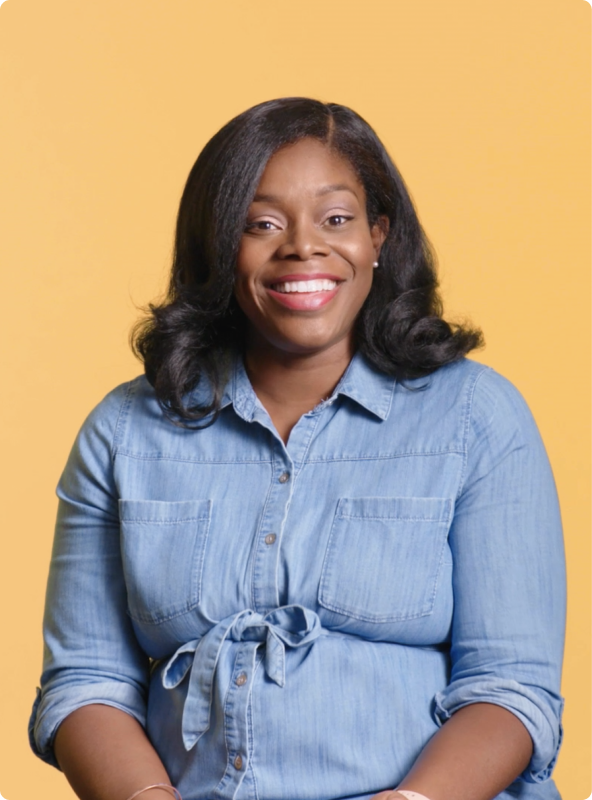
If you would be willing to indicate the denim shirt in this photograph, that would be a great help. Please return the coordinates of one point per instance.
(294, 622)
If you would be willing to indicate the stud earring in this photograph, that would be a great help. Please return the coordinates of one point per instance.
(375, 264)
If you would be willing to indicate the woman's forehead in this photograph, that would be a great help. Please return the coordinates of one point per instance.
(308, 165)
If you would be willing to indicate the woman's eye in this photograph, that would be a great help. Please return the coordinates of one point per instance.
(337, 219)
(260, 225)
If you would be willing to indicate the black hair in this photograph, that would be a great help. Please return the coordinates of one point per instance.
(399, 329)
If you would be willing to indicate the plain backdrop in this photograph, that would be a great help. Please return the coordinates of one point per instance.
(485, 108)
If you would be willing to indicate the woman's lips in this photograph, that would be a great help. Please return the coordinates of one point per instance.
(305, 276)
(305, 292)
(303, 301)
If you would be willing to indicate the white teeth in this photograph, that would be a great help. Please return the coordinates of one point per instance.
(323, 285)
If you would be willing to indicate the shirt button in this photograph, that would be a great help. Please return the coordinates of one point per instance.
(284, 477)
(238, 762)
(241, 679)
(270, 538)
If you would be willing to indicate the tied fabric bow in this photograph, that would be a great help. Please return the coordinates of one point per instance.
(288, 626)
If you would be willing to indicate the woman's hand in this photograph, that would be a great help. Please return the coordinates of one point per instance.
(390, 794)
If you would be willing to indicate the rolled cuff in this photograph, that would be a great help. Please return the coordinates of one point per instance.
(539, 711)
(51, 709)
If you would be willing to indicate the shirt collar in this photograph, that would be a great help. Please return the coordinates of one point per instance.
(367, 386)
(361, 382)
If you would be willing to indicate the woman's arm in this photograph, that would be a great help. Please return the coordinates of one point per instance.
(89, 716)
(474, 756)
(501, 709)
(106, 755)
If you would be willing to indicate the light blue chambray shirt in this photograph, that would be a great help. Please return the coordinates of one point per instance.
(295, 622)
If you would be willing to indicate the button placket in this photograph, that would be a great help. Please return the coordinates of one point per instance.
(236, 710)
(264, 581)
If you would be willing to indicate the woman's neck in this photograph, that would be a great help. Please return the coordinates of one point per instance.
(289, 385)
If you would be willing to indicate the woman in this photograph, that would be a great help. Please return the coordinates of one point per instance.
(315, 552)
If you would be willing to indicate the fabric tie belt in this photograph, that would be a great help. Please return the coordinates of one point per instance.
(288, 626)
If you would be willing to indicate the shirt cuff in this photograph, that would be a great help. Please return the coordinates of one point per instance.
(52, 707)
(539, 711)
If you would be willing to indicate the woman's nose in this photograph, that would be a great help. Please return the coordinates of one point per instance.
(303, 241)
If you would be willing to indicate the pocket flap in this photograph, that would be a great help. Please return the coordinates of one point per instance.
(162, 512)
(409, 509)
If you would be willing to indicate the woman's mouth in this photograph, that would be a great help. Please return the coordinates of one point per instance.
(304, 295)
(305, 286)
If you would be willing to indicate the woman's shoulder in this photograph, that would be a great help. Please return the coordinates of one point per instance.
(479, 381)
(479, 394)
(110, 416)
(492, 403)
(121, 397)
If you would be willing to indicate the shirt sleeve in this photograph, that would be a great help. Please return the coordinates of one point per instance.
(91, 654)
(508, 575)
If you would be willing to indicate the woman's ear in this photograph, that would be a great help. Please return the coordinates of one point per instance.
(379, 232)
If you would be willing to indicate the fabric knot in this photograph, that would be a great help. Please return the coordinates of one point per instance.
(288, 626)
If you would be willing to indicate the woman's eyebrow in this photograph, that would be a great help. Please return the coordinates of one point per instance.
(334, 187)
(266, 198)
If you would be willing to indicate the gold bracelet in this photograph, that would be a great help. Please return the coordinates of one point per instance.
(166, 786)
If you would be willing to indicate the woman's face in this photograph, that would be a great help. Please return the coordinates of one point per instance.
(305, 261)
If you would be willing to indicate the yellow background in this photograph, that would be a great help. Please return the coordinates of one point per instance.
(485, 107)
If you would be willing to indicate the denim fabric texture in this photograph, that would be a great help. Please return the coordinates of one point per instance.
(295, 622)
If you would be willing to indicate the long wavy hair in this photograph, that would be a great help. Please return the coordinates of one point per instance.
(184, 339)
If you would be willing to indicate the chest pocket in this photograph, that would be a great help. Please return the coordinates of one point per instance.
(162, 548)
(384, 556)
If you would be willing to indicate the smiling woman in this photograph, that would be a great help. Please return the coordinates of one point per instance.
(310, 209)
(314, 553)
(304, 266)
(400, 328)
